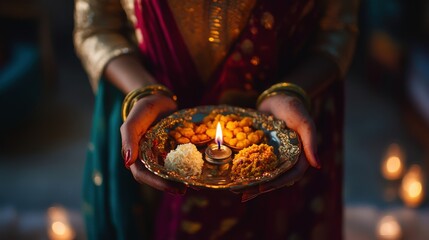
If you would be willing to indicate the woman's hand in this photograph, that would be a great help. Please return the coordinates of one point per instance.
(142, 115)
(291, 110)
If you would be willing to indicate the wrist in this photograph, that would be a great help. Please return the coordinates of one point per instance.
(149, 90)
(288, 89)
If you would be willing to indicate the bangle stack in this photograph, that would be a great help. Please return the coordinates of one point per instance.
(286, 89)
(139, 93)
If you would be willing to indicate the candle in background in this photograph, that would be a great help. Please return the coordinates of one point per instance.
(392, 166)
(59, 227)
(388, 228)
(412, 187)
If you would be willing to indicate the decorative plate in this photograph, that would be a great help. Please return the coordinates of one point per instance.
(157, 143)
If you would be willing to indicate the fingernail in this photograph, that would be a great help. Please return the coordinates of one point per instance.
(267, 189)
(319, 165)
(247, 197)
(128, 158)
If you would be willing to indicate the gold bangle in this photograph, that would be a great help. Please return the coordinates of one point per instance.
(287, 89)
(132, 97)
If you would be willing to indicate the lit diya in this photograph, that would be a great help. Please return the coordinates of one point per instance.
(218, 153)
(219, 133)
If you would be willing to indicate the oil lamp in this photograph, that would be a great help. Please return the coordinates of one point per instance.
(217, 153)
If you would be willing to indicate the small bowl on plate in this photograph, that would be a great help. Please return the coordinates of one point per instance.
(157, 143)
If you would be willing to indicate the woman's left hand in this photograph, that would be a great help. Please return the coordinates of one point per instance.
(291, 110)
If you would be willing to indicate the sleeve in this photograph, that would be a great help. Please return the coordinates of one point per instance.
(338, 32)
(100, 34)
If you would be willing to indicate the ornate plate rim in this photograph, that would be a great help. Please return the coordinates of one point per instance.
(271, 125)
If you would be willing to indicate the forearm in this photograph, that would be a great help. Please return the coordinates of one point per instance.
(333, 47)
(101, 34)
(127, 73)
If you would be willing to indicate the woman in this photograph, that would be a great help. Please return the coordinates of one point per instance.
(213, 52)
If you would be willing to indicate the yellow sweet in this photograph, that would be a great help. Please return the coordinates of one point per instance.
(237, 131)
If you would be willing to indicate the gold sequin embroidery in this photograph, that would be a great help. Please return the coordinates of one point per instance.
(255, 60)
(267, 20)
(97, 178)
(194, 202)
(225, 225)
(247, 47)
(209, 28)
(191, 227)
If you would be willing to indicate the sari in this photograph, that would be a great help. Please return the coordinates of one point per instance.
(266, 49)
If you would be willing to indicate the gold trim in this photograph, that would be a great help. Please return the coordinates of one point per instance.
(286, 89)
(209, 28)
(139, 93)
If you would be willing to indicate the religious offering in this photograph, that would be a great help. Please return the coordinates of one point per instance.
(185, 160)
(190, 132)
(219, 147)
(254, 161)
(237, 131)
(218, 153)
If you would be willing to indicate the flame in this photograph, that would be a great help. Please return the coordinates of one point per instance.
(219, 136)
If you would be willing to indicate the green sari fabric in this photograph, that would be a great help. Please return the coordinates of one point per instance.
(112, 198)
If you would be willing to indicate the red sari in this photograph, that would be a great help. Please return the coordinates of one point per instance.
(312, 208)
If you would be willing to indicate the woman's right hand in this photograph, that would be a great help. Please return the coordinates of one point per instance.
(144, 112)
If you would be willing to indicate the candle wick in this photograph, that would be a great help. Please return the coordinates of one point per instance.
(218, 145)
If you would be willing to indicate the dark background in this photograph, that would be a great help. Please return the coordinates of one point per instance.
(46, 105)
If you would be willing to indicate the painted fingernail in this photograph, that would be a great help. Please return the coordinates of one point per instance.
(319, 165)
(128, 158)
(247, 197)
(266, 189)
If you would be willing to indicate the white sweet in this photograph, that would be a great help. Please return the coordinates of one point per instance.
(185, 160)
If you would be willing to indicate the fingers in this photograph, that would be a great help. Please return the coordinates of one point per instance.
(144, 176)
(307, 132)
(139, 119)
(129, 143)
(293, 112)
(301, 122)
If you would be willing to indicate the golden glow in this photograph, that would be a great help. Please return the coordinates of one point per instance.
(412, 187)
(255, 61)
(389, 228)
(58, 228)
(219, 136)
(392, 166)
(98, 180)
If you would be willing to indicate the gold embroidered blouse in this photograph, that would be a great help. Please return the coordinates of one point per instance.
(105, 29)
